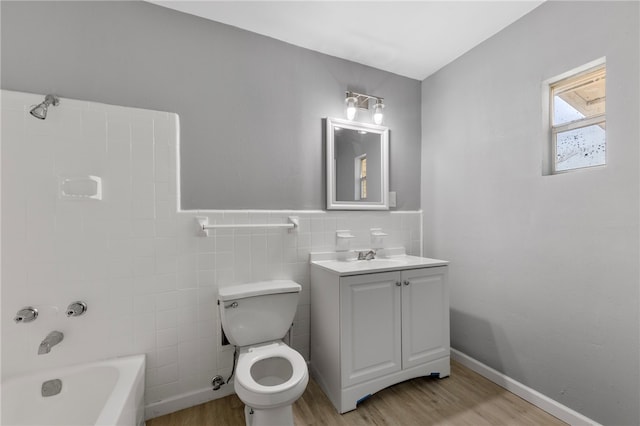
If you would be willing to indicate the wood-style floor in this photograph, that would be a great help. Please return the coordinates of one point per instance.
(465, 398)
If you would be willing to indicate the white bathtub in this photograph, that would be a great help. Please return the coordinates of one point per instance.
(103, 393)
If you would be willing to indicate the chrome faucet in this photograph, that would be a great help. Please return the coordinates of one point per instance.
(366, 255)
(26, 314)
(50, 341)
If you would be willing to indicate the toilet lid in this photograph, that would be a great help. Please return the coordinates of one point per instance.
(247, 359)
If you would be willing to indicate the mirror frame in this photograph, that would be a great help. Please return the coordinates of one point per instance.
(332, 203)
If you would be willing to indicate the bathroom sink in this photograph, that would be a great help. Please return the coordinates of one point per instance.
(389, 262)
(353, 266)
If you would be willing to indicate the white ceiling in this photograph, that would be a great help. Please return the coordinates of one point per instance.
(410, 38)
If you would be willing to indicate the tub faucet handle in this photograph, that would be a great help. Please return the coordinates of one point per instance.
(76, 309)
(26, 314)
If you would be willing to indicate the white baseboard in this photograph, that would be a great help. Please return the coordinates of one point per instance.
(541, 401)
(185, 400)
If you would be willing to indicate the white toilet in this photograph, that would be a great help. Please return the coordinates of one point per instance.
(270, 376)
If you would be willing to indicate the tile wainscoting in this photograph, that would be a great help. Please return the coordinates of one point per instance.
(149, 279)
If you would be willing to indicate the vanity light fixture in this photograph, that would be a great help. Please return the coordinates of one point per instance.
(355, 100)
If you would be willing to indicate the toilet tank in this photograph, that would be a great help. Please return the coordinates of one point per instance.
(258, 312)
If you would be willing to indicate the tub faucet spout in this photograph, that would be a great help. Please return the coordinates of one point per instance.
(50, 341)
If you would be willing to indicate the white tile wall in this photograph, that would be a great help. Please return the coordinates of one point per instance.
(150, 281)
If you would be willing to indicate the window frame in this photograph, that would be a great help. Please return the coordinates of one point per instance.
(360, 178)
(550, 151)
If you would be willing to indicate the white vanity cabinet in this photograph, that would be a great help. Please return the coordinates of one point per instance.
(372, 330)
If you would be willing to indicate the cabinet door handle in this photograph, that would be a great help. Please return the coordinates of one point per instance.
(407, 282)
(398, 284)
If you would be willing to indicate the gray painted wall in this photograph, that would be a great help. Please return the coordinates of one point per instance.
(251, 107)
(544, 273)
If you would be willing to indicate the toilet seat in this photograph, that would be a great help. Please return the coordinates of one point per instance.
(273, 350)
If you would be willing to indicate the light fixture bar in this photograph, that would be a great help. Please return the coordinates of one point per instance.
(362, 100)
(356, 100)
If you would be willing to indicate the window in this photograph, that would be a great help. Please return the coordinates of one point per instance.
(578, 120)
(361, 177)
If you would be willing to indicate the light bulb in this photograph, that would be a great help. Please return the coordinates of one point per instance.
(351, 108)
(377, 111)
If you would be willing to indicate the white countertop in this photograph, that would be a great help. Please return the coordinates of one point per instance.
(391, 260)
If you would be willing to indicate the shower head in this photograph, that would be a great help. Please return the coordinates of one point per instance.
(40, 110)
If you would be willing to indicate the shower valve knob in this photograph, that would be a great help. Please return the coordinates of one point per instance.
(26, 314)
(76, 309)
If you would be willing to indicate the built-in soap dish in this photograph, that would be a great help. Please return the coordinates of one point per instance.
(377, 238)
(80, 187)
(343, 240)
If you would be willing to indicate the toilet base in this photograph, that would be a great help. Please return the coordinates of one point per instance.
(281, 416)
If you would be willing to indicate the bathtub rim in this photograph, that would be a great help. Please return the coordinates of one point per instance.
(131, 372)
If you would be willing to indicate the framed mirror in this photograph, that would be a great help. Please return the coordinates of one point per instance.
(357, 166)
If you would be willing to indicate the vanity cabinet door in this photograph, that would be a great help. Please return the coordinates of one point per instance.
(425, 316)
(370, 326)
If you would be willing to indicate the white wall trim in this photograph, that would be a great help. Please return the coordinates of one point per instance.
(284, 211)
(541, 401)
(185, 400)
(421, 233)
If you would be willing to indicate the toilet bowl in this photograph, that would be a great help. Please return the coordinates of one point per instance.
(269, 376)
